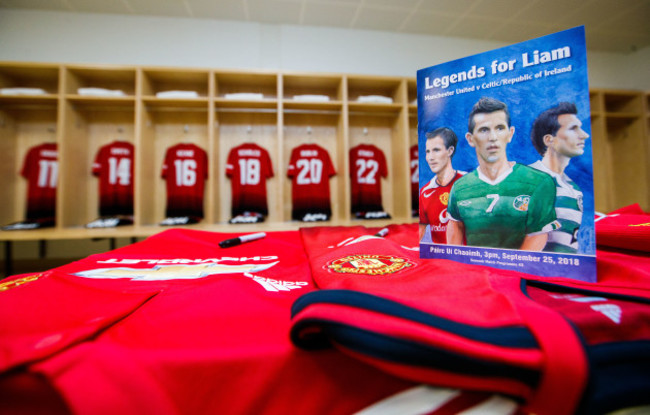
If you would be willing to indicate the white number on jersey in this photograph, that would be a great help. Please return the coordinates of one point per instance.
(495, 198)
(367, 171)
(48, 171)
(415, 164)
(185, 172)
(249, 171)
(119, 170)
(311, 171)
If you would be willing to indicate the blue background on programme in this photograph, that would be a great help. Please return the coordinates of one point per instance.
(525, 100)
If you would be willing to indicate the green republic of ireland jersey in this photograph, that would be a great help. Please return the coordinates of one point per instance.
(568, 208)
(500, 214)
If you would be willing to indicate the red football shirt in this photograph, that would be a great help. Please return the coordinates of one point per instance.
(114, 167)
(310, 168)
(433, 208)
(415, 176)
(367, 167)
(185, 170)
(41, 169)
(248, 167)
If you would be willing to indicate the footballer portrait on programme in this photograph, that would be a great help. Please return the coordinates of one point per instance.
(502, 203)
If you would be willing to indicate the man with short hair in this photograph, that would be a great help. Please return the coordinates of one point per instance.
(500, 204)
(557, 135)
(440, 147)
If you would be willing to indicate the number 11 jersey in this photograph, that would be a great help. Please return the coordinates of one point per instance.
(310, 168)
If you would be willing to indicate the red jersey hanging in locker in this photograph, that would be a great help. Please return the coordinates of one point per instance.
(41, 169)
(310, 168)
(114, 167)
(248, 167)
(415, 178)
(367, 167)
(185, 170)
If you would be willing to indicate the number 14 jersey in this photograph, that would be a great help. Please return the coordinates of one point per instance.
(310, 168)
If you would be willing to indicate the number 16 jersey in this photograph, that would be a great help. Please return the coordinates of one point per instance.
(185, 170)
(310, 168)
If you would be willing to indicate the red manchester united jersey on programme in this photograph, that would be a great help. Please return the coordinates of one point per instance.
(433, 208)
(114, 167)
(415, 176)
(185, 170)
(310, 168)
(249, 166)
(367, 167)
(41, 169)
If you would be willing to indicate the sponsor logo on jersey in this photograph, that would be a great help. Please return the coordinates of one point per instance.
(465, 202)
(273, 285)
(6, 286)
(172, 272)
(369, 264)
(443, 218)
(521, 203)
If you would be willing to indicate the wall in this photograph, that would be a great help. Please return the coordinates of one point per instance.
(38, 36)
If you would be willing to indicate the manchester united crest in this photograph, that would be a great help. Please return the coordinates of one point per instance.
(444, 198)
(369, 264)
(5, 286)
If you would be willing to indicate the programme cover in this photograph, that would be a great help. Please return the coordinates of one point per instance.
(506, 173)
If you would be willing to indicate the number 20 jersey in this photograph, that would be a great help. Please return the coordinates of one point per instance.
(114, 167)
(248, 167)
(185, 170)
(367, 167)
(310, 168)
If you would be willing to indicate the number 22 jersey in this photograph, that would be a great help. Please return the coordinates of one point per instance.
(367, 167)
(310, 168)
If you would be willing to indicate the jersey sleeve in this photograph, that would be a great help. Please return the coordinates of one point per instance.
(382, 163)
(166, 163)
(97, 164)
(268, 171)
(541, 217)
(452, 208)
(230, 163)
(331, 171)
(204, 157)
(28, 163)
(291, 169)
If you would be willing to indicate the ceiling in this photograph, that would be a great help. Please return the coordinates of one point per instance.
(610, 25)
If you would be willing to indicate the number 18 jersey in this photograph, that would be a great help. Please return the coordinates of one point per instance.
(185, 170)
(310, 168)
(248, 167)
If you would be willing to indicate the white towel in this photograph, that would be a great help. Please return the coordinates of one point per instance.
(375, 98)
(22, 91)
(311, 98)
(245, 95)
(100, 92)
(177, 94)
